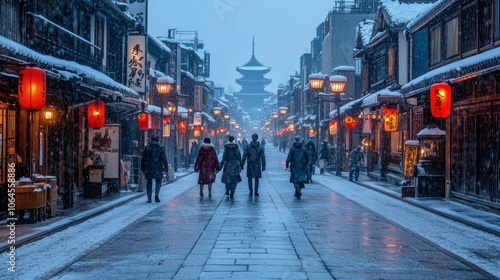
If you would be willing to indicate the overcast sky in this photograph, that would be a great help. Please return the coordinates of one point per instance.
(283, 31)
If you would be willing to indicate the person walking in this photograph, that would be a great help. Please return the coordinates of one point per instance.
(355, 157)
(324, 154)
(297, 162)
(207, 164)
(244, 145)
(284, 143)
(231, 166)
(311, 152)
(263, 144)
(153, 164)
(256, 163)
(193, 153)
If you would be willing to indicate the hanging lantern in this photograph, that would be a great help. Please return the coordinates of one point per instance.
(32, 88)
(332, 125)
(440, 99)
(390, 119)
(182, 126)
(95, 114)
(350, 122)
(166, 120)
(143, 121)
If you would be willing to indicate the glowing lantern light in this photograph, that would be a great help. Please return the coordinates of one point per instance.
(95, 114)
(143, 121)
(332, 125)
(390, 119)
(32, 88)
(182, 126)
(197, 131)
(350, 122)
(440, 99)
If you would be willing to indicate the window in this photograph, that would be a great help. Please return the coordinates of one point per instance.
(469, 29)
(379, 67)
(451, 33)
(435, 47)
(391, 57)
(484, 23)
(496, 19)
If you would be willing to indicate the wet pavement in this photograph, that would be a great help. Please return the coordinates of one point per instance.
(322, 235)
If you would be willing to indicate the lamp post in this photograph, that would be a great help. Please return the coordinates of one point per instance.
(336, 85)
(275, 116)
(282, 111)
(217, 111)
(164, 88)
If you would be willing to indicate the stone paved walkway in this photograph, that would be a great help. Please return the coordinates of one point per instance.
(274, 236)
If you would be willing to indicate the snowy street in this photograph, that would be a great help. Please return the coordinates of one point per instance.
(337, 230)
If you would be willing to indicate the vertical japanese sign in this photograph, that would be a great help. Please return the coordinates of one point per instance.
(206, 62)
(136, 63)
(198, 98)
(138, 9)
(411, 157)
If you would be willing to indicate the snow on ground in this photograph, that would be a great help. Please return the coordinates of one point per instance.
(41, 259)
(480, 248)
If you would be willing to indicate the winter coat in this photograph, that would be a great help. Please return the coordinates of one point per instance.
(154, 161)
(355, 156)
(297, 160)
(255, 159)
(324, 153)
(207, 164)
(311, 152)
(231, 163)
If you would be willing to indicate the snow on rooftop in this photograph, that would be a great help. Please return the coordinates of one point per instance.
(402, 13)
(365, 29)
(72, 66)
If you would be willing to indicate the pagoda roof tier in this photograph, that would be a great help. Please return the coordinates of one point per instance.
(246, 70)
(245, 80)
(252, 94)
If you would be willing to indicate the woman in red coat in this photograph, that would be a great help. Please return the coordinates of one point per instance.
(207, 164)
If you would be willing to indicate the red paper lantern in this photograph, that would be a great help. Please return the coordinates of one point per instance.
(166, 119)
(440, 99)
(32, 88)
(197, 131)
(95, 114)
(182, 126)
(390, 119)
(350, 122)
(332, 125)
(143, 121)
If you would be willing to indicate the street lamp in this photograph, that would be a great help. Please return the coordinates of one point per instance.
(164, 87)
(217, 111)
(282, 111)
(336, 85)
(275, 116)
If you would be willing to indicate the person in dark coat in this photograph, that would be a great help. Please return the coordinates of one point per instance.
(153, 164)
(231, 166)
(324, 154)
(256, 163)
(297, 161)
(207, 164)
(194, 151)
(244, 145)
(311, 152)
(355, 157)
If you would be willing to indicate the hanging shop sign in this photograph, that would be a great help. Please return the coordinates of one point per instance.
(32, 88)
(136, 63)
(95, 114)
(350, 122)
(390, 119)
(440, 100)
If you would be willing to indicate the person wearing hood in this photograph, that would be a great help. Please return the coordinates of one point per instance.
(256, 163)
(324, 154)
(207, 164)
(313, 156)
(231, 166)
(297, 161)
(153, 164)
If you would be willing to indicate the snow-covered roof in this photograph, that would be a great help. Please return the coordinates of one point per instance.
(365, 29)
(209, 118)
(65, 65)
(400, 13)
(456, 69)
(160, 44)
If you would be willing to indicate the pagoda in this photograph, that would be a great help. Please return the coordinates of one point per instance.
(252, 93)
